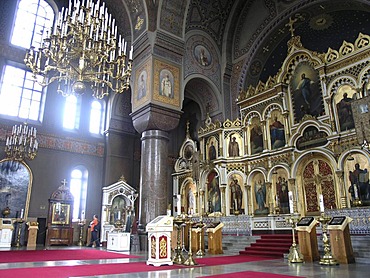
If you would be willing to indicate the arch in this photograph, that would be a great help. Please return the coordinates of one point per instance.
(311, 122)
(274, 170)
(193, 85)
(188, 201)
(311, 153)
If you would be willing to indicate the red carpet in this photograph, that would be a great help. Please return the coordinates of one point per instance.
(116, 268)
(58, 255)
(272, 245)
(250, 274)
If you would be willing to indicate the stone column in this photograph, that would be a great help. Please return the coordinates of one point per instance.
(154, 122)
(153, 180)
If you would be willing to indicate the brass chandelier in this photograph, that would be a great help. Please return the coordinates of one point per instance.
(81, 50)
(22, 143)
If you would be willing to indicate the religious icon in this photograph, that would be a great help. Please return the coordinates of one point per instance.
(343, 99)
(277, 133)
(214, 193)
(142, 85)
(233, 146)
(60, 213)
(212, 152)
(306, 92)
(236, 194)
(202, 55)
(166, 85)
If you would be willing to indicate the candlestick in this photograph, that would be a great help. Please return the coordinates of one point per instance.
(321, 199)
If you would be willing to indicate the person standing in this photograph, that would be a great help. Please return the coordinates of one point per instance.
(94, 228)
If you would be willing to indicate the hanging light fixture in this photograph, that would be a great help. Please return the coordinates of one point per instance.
(81, 50)
(22, 143)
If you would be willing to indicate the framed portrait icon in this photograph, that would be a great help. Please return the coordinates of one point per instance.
(60, 214)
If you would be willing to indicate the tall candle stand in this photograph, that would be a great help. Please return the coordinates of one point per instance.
(19, 226)
(190, 259)
(200, 226)
(81, 225)
(327, 259)
(179, 223)
(295, 255)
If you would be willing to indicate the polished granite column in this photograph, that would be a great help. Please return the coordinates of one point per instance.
(154, 122)
(153, 180)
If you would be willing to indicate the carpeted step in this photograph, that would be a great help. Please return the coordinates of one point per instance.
(275, 245)
(262, 253)
(272, 244)
(272, 248)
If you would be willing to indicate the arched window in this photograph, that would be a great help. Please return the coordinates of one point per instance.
(71, 116)
(20, 97)
(78, 188)
(32, 20)
(96, 117)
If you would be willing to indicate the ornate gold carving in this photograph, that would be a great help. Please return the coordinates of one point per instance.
(163, 248)
(153, 247)
(139, 23)
(347, 48)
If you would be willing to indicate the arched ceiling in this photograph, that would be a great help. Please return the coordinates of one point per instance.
(250, 35)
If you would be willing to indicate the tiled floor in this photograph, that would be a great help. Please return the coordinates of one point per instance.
(278, 266)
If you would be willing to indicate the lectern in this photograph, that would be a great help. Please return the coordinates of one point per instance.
(215, 238)
(159, 237)
(6, 230)
(307, 239)
(341, 245)
(197, 239)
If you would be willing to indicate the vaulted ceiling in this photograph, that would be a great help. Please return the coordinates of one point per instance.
(250, 36)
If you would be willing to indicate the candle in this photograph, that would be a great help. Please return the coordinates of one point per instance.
(178, 203)
(321, 203)
(119, 215)
(22, 212)
(290, 194)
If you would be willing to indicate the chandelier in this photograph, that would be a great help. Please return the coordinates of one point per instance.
(22, 143)
(81, 50)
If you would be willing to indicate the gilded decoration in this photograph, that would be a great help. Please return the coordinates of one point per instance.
(153, 247)
(166, 83)
(294, 134)
(347, 48)
(163, 247)
(139, 23)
